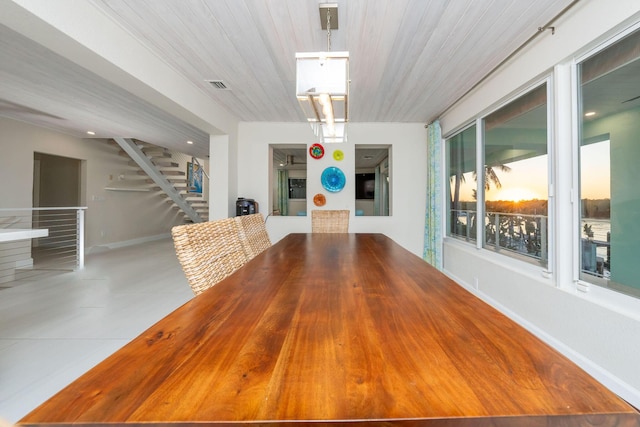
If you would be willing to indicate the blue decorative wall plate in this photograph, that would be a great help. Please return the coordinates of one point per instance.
(333, 179)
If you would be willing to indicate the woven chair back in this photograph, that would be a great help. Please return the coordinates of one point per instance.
(208, 251)
(329, 221)
(253, 234)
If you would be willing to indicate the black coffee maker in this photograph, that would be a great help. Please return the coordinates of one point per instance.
(246, 206)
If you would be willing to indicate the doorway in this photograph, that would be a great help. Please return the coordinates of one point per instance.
(57, 183)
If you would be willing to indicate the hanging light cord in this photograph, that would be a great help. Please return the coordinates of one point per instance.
(328, 31)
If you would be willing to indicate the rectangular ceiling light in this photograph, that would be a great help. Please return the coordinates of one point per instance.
(322, 89)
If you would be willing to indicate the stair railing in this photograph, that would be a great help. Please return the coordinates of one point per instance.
(61, 247)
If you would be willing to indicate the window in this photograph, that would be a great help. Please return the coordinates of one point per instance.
(461, 170)
(372, 180)
(515, 178)
(609, 153)
(297, 188)
(365, 186)
(289, 189)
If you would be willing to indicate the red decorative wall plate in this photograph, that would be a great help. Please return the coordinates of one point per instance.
(316, 151)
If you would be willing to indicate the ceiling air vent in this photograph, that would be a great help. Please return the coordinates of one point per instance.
(218, 84)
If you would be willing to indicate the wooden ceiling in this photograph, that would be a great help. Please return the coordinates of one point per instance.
(409, 60)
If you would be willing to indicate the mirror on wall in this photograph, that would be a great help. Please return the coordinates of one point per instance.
(289, 189)
(372, 180)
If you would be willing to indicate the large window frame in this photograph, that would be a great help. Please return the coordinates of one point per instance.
(458, 221)
(603, 288)
(537, 248)
(478, 240)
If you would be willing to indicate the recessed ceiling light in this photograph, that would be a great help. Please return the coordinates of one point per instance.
(90, 132)
(590, 113)
(189, 142)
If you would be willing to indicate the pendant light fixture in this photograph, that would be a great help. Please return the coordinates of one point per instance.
(322, 84)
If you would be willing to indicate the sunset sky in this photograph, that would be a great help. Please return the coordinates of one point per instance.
(527, 179)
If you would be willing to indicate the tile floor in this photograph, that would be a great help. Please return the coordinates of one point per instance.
(53, 329)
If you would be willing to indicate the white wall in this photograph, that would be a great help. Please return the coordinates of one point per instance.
(408, 176)
(600, 330)
(112, 217)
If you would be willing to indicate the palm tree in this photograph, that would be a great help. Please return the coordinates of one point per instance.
(490, 176)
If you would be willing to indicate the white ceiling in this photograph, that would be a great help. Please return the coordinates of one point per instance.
(409, 61)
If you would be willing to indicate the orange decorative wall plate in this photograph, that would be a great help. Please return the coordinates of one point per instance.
(319, 199)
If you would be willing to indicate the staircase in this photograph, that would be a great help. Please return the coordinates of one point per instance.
(158, 171)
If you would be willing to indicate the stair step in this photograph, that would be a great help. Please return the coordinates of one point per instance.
(160, 163)
(157, 154)
(165, 164)
(134, 178)
(139, 144)
(176, 181)
(152, 148)
(151, 155)
(142, 144)
(193, 204)
(166, 173)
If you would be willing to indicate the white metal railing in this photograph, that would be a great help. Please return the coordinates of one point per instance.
(516, 233)
(61, 249)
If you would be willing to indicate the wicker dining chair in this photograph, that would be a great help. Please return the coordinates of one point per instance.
(253, 234)
(329, 221)
(208, 251)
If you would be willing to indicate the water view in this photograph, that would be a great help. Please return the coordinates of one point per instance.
(601, 229)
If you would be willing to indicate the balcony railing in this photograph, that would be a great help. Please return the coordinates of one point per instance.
(518, 234)
(62, 248)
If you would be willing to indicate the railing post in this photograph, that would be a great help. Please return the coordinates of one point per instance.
(497, 234)
(468, 225)
(80, 238)
(543, 238)
(609, 250)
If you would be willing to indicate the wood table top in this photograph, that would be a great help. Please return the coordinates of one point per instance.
(330, 329)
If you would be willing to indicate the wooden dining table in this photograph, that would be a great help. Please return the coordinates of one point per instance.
(335, 329)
